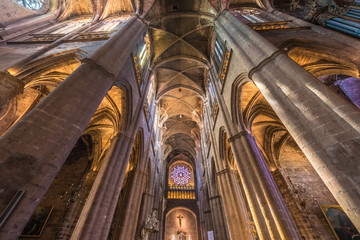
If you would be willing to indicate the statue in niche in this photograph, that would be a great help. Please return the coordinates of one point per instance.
(151, 225)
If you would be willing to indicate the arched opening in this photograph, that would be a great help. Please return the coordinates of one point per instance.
(340, 74)
(181, 224)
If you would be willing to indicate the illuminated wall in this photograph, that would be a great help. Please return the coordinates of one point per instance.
(181, 224)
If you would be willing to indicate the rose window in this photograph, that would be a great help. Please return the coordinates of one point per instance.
(181, 175)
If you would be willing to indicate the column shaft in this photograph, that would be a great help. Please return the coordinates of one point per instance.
(271, 216)
(131, 206)
(96, 217)
(235, 207)
(219, 221)
(34, 150)
(145, 210)
(325, 126)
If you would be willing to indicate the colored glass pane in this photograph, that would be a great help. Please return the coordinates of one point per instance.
(32, 4)
(181, 175)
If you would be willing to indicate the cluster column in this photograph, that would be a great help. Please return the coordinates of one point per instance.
(96, 217)
(233, 201)
(34, 150)
(325, 126)
(235, 207)
(270, 214)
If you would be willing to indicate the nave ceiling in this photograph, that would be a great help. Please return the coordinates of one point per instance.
(181, 34)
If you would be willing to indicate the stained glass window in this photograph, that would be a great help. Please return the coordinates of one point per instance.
(32, 4)
(181, 175)
(181, 236)
(71, 26)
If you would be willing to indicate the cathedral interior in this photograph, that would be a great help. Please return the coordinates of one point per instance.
(180, 119)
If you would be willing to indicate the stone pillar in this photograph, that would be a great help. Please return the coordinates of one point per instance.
(235, 207)
(96, 217)
(325, 126)
(270, 214)
(131, 206)
(10, 86)
(231, 196)
(34, 150)
(147, 202)
(219, 221)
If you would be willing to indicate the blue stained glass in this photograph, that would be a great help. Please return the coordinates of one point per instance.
(32, 4)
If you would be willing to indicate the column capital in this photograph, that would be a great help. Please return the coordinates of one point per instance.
(265, 61)
(99, 67)
(225, 170)
(237, 135)
(125, 137)
(214, 197)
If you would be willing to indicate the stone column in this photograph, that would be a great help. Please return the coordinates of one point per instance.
(34, 150)
(271, 216)
(96, 217)
(147, 202)
(219, 222)
(325, 126)
(131, 205)
(235, 208)
(233, 200)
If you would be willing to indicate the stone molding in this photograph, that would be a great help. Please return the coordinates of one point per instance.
(214, 197)
(265, 61)
(236, 136)
(99, 67)
(126, 137)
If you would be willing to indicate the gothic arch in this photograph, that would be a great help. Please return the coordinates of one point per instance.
(236, 86)
(222, 142)
(28, 71)
(184, 216)
(321, 58)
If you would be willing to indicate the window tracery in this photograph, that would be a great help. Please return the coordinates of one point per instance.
(181, 183)
(181, 175)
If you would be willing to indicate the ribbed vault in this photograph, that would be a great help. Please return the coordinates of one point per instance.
(181, 33)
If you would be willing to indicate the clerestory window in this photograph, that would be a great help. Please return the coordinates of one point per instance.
(32, 4)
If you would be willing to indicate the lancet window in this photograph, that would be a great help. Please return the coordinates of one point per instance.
(221, 58)
(259, 21)
(149, 106)
(249, 15)
(346, 86)
(218, 53)
(70, 27)
(110, 24)
(32, 4)
(140, 59)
